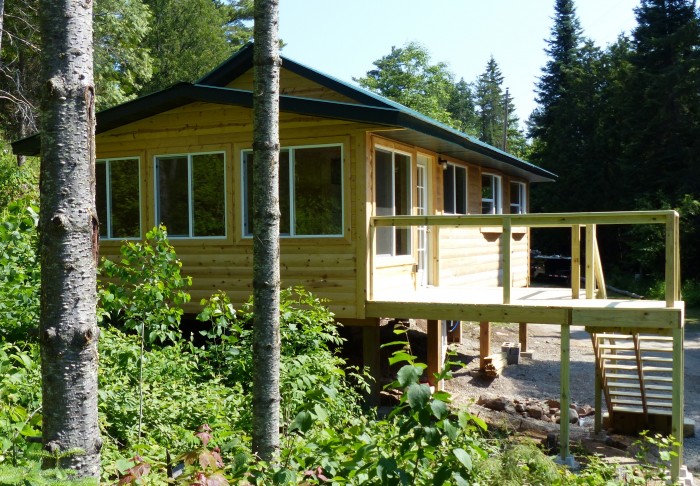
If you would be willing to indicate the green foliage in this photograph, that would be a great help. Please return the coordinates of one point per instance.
(520, 462)
(33, 474)
(145, 289)
(19, 270)
(17, 182)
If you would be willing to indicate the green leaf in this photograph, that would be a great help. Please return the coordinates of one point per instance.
(463, 457)
(451, 431)
(459, 480)
(285, 476)
(408, 375)
(418, 396)
(439, 409)
(302, 422)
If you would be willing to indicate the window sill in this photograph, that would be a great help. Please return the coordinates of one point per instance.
(388, 261)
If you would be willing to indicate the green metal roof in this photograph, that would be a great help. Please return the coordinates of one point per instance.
(410, 126)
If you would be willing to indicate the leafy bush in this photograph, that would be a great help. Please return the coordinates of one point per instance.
(19, 270)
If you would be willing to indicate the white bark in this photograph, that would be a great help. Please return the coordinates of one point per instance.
(68, 236)
(266, 223)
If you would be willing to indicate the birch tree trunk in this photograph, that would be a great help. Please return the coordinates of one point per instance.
(266, 224)
(68, 236)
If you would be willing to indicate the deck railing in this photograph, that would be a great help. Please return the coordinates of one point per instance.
(575, 221)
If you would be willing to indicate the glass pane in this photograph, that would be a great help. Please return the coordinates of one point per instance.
(402, 198)
(283, 192)
(173, 200)
(101, 196)
(514, 193)
(318, 198)
(487, 187)
(448, 183)
(208, 195)
(383, 181)
(124, 189)
(461, 190)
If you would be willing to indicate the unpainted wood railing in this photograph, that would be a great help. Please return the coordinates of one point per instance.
(575, 221)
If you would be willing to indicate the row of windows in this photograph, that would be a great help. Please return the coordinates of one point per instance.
(190, 194)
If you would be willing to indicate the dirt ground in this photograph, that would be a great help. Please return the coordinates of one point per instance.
(538, 378)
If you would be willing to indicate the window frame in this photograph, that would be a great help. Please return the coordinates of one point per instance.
(190, 203)
(108, 198)
(522, 194)
(497, 187)
(245, 224)
(454, 189)
(410, 191)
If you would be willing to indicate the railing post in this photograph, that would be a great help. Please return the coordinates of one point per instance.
(575, 261)
(506, 238)
(590, 261)
(672, 260)
(565, 397)
(677, 402)
(372, 249)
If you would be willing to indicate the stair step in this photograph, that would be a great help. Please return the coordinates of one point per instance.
(657, 359)
(625, 347)
(618, 357)
(665, 379)
(651, 411)
(638, 403)
(614, 336)
(611, 366)
(617, 384)
(666, 369)
(636, 394)
(658, 387)
(655, 349)
(647, 337)
(622, 376)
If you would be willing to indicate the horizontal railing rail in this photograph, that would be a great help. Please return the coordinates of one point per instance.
(575, 221)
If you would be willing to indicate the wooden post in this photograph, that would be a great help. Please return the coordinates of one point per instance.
(484, 343)
(372, 250)
(672, 265)
(565, 393)
(435, 353)
(371, 346)
(677, 403)
(590, 261)
(522, 335)
(455, 335)
(598, 404)
(575, 261)
(506, 238)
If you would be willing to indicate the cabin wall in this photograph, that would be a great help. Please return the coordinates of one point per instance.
(326, 266)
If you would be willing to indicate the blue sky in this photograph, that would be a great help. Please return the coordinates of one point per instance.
(343, 37)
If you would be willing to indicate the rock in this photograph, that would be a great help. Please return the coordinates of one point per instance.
(519, 407)
(484, 398)
(553, 403)
(573, 416)
(498, 404)
(585, 410)
(535, 412)
(546, 418)
(510, 409)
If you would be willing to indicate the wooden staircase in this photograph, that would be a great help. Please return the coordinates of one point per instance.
(635, 372)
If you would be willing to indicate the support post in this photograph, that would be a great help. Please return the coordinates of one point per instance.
(575, 261)
(371, 347)
(435, 353)
(590, 261)
(677, 403)
(484, 343)
(372, 249)
(565, 396)
(598, 404)
(522, 336)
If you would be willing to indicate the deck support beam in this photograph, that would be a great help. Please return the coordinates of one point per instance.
(575, 261)
(435, 353)
(371, 347)
(598, 403)
(522, 336)
(484, 343)
(454, 335)
(677, 404)
(565, 396)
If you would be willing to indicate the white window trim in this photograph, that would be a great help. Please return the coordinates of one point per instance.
(497, 187)
(393, 152)
(108, 198)
(522, 190)
(292, 192)
(454, 189)
(190, 206)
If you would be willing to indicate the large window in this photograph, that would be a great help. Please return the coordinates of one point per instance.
(191, 194)
(518, 198)
(118, 198)
(454, 179)
(393, 196)
(491, 194)
(311, 191)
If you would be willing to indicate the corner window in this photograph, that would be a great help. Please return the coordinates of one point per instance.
(518, 198)
(310, 194)
(392, 182)
(454, 180)
(117, 198)
(191, 194)
(491, 194)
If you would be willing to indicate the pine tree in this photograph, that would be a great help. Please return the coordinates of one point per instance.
(461, 108)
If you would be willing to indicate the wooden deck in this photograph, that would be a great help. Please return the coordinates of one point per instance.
(543, 305)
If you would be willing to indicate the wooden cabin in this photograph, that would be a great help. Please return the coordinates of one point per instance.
(385, 212)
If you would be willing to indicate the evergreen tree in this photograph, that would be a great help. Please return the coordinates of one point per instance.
(462, 109)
